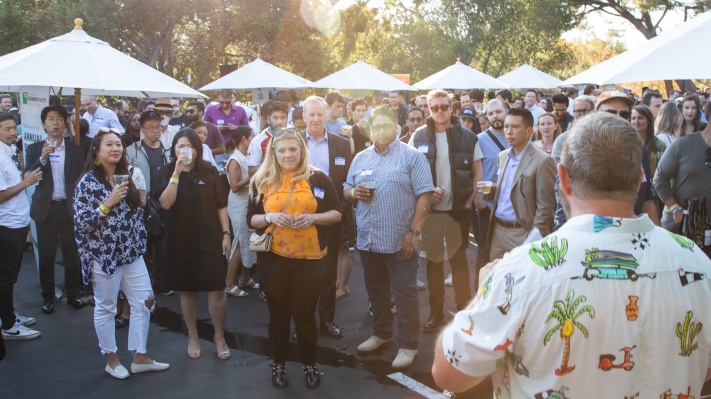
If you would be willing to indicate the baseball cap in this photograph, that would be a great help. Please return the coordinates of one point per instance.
(148, 115)
(467, 112)
(609, 95)
(163, 104)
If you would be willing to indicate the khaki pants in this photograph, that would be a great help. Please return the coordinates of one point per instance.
(505, 239)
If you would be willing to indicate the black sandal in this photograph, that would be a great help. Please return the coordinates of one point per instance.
(121, 322)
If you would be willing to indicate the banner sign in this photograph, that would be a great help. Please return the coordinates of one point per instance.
(403, 77)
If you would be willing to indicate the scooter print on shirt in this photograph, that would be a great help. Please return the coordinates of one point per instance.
(606, 361)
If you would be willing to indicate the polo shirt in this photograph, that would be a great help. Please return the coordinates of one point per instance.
(216, 116)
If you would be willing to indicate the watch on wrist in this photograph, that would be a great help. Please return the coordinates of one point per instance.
(416, 233)
(226, 233)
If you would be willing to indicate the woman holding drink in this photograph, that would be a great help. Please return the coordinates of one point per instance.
(111, 239)
(197, 236)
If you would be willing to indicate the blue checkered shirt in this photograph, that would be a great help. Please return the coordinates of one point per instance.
(400, 174)
(488, 164)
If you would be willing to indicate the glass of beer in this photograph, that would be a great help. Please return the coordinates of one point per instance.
(485, 187)
(189, 152)
(346, 130)
(120, 179)
(370, 186)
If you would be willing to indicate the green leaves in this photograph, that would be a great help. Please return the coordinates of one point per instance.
(548, 254)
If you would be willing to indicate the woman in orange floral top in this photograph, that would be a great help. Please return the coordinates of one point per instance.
(295, 202)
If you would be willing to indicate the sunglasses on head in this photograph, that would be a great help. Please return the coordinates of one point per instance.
(280, 132)
(622, 114)
(112, 130)
(437, 108)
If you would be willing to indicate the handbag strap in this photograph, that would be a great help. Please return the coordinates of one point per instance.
(285, 206)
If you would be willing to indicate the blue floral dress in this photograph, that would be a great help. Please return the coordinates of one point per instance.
(112, 240)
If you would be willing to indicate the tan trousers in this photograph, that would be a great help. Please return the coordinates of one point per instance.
(505, 239)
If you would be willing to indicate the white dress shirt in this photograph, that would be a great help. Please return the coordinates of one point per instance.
(15, 211)
(56, 160)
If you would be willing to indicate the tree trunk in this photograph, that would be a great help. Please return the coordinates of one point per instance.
(566, 355)
(668, 86)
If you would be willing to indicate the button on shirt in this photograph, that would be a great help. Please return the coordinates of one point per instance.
(103, 117)
(56, 161)
(613, 293)
(490, 151)
(504, 210)
(400, 175)
(318, 152)
(15, 211)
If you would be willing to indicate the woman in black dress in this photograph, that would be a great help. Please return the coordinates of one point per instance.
(197, 235)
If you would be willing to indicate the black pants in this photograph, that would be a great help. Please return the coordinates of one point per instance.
(327, 298)
(454, 227)
(292, 289)
(59, 226)
(482, 255)
(12, 242)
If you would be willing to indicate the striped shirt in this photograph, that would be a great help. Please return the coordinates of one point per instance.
(400, 175)
(318, 152)
(490, 151)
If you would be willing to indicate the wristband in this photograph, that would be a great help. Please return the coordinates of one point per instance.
(104, 209)
(174, 180)
(353, 193)
(226, 233)
(268, 218)
(674, 208)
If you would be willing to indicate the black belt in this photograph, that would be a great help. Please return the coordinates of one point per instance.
(507, 224)
(60, 201)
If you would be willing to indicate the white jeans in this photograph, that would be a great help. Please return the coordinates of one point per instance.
(133, 279)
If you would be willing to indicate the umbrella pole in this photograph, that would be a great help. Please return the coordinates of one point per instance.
(77, 105)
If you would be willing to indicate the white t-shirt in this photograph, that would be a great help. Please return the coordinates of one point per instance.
(667, 138)
(255, 152)
(166, 137)
(14, 212)
(602, 308)
(207, 155)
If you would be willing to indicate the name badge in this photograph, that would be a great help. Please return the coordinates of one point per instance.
(423, 148)
(53, 158)
(220, 121)
(99, 119)
(366, 172)
(340, 161)
(318, 192)
(367, 144)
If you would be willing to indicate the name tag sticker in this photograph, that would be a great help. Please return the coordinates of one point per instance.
(318, 192)
(220, 121)
(423, 148)
(367, 144)
(53, 158)
(366, 172)
(340, 161)
(99, 119)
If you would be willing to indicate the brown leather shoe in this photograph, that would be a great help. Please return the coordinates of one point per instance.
(331, 329)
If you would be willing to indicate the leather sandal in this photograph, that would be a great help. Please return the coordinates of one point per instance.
(342, 294)
(249, 284)
(235, 288)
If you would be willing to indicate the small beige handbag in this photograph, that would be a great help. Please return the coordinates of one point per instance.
(263, 243)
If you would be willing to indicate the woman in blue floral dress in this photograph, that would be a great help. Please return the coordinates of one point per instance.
(111, 238)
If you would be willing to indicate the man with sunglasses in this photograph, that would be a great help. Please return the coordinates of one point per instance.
(455, 165)
(415, 120)
(421, 103)
(52, 206)
(196, 111)
(98, 116)
(226, 115)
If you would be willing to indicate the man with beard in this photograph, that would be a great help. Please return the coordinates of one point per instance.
(196, 111)
(277, 113)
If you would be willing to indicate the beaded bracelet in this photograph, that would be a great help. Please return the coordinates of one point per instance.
(104, 209)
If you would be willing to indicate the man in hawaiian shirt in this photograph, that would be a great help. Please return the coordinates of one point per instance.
(559, 318)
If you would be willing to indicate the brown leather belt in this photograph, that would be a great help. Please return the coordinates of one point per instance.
(507, 224)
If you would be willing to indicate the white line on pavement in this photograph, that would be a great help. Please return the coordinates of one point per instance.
(420, 388)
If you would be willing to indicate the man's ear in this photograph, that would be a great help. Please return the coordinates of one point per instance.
(564, 187)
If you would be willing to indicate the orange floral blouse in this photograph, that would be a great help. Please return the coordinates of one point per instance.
(294, 243)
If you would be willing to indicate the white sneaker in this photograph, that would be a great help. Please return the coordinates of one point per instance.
(404, 358)
(374, 343)
(448, 281)
(120, 372)
(26, 321)
(19, 331)
(423, 254)
(420, 285)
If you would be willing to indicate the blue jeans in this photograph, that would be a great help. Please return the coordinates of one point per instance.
(382, 271)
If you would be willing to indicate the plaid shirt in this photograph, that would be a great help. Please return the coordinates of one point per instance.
(401, 174)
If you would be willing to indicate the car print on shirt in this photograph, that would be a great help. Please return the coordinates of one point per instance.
(668, 395)
(606, 361)
(687, 278)
(565, 313)
(613, 265)
(509, 281)
(687, 333)
(548, 254)
(551, 394)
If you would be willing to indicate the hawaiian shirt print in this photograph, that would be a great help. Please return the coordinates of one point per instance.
(112, 240)
(602, 308)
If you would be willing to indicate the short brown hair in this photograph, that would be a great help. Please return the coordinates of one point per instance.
(358, 101)
(603, 157)
(439, 93)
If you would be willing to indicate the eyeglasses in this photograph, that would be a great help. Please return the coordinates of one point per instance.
(386, 127)
(112, 130)
(437, 108)
(190, 111)
(626, 115)
(581, 111)
(154, 128)
(54, 120)
(414, 120)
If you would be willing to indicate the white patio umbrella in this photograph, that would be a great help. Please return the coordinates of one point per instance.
(361, 76)
(78, 61)
(528, 77)
(259, 75)
(459, 76)
(678, 54)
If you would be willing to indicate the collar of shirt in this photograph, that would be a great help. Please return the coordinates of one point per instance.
(606, 224)
(7, 149)
(390, 148)
(325, 137)
(61, 147)
(518, 158)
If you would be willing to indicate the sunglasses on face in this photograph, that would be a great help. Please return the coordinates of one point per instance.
(385, 127)
(622, 114)
(112, 130)
(437, 108)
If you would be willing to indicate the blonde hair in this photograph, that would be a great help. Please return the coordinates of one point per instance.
(269, 175)
(669, 120)
(557, 131)
(439, 93)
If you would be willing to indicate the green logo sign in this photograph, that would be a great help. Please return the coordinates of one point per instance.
(24, 97)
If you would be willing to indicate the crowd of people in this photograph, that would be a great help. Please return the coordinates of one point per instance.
(159, 201)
